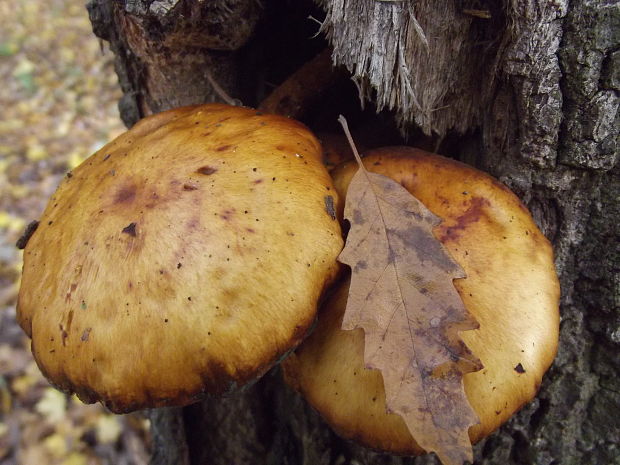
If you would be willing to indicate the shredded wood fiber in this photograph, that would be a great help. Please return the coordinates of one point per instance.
(427, 59)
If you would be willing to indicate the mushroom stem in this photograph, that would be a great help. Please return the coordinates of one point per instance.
(168, 436)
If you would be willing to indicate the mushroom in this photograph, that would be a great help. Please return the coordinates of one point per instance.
(511, 289)
(185, 257)
(336, 149)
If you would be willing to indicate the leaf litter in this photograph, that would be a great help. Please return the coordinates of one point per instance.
(403, 297)
(59, 99)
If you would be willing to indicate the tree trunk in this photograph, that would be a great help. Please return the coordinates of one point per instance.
(530, 95)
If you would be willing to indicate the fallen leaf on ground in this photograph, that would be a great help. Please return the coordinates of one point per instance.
(403, 297)
(56, 445)
(59, 101)
(53, 405)
(108, 429)
(75, 458)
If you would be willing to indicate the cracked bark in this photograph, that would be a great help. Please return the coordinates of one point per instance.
(530, 96)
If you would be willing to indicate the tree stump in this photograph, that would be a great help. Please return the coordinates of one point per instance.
(525, 90)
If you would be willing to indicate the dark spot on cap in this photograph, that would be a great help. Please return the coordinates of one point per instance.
(206, 170)
(179, 265)
(329, 206)
(69, 174)
(70, 320)
(130, 229)
(71, 290)
(473, 214)
(258, 181)
(519, 368)
(28, 232)
(222, 148)
(189, 187)
(63, 334)
(106, 157)
(125, 194)
(226, 214)
(86, 334)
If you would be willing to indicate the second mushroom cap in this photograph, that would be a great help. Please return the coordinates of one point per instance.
(511, 289)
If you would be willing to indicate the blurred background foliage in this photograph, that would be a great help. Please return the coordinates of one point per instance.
(58, 104)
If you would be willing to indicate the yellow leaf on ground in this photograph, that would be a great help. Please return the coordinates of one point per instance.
(36, 152)
(22, 384)
(52, 405)
(75, 458)
(56, 445)
(10, 222)
(75, 159)
(24, 66)
(108, 429)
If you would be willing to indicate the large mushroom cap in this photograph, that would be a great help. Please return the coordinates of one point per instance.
(186, 256)
(511, 289)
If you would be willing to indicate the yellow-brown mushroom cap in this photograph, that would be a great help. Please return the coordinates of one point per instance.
(185, 257)
(511, 289)
(336, 149)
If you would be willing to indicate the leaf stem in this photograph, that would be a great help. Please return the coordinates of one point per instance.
(343, 122)
(219, 90)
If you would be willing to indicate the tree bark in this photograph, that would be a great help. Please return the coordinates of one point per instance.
(530, 95)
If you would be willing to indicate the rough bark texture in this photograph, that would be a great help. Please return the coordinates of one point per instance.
(169, 437)
(164, 49)
(530, 95)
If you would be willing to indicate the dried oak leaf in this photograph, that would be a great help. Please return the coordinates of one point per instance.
(403, 298)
